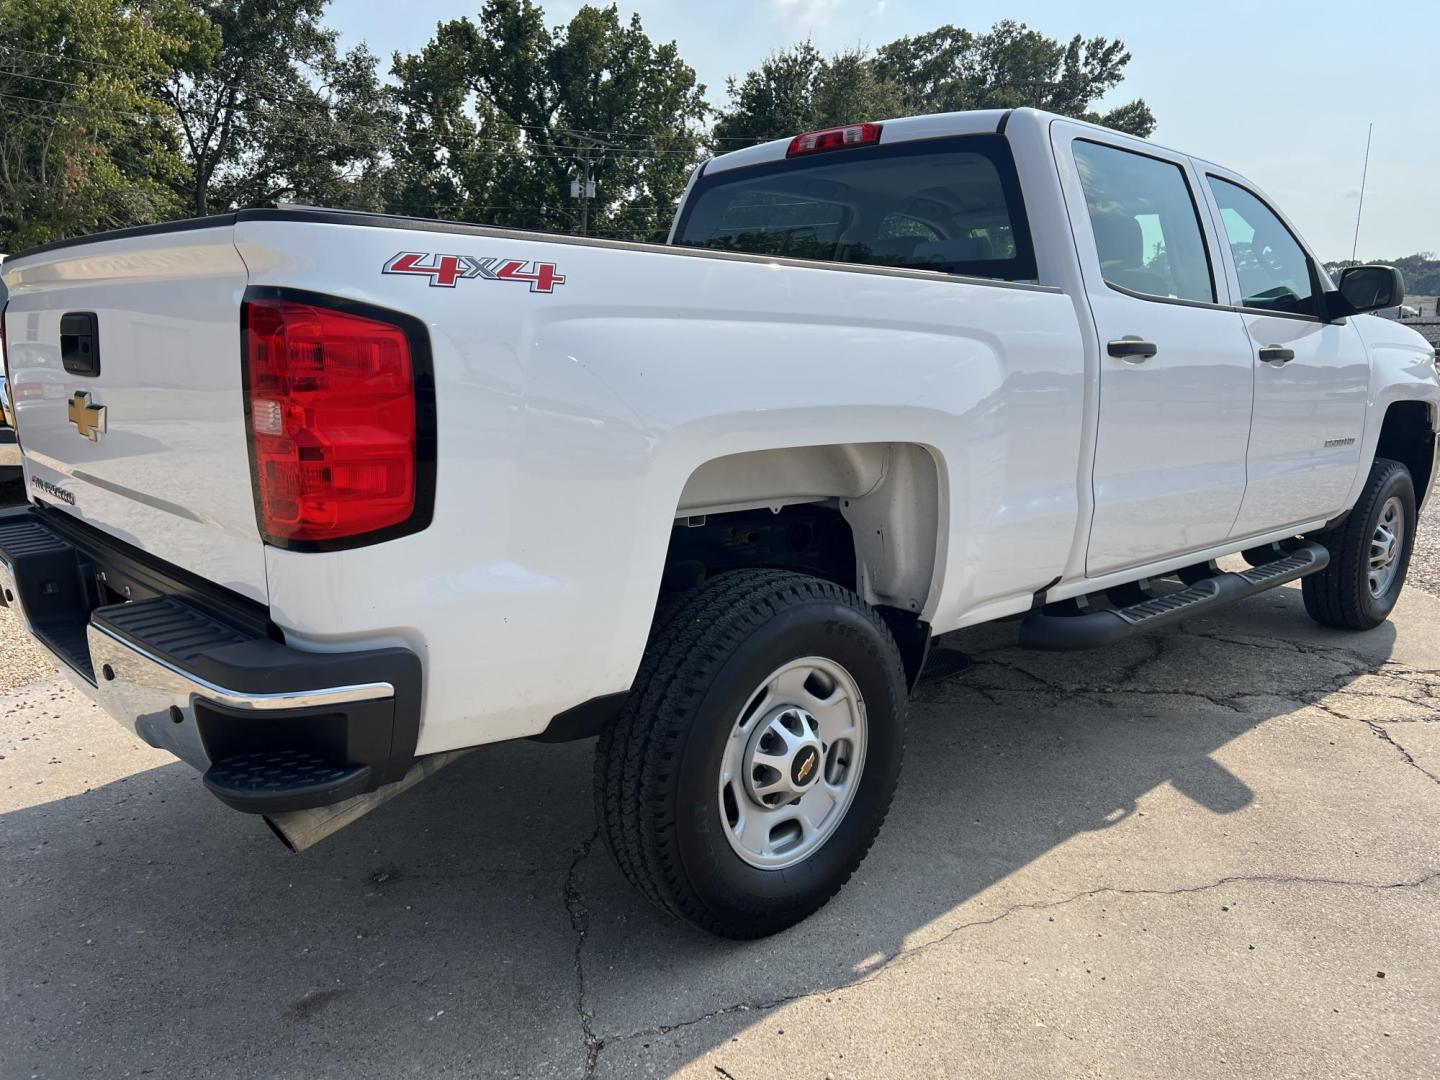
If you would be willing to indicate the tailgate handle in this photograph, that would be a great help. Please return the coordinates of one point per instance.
(80, 342)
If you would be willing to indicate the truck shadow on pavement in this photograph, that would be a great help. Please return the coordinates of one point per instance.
(477, 924)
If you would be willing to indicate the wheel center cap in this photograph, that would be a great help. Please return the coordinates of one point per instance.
(785, 756)
(805, 767)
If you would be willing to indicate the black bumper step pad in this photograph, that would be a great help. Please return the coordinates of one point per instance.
(53, 586)
(278, 781)
(1065, 627)
(169, 628)
(23, 537)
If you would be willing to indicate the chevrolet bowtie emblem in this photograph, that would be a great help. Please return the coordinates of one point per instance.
(89, 420)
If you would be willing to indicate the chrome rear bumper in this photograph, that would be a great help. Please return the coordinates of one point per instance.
(157, 698)
(204, 675)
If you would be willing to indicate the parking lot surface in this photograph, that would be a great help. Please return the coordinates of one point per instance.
(1211, 852)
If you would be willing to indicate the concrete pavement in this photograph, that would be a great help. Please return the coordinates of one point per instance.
(1213, 852)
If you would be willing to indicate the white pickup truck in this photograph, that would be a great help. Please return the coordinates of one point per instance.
(318, 499)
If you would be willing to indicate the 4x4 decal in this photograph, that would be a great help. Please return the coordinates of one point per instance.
(445, 270)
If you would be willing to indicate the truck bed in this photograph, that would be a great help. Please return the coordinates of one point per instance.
(568, 422)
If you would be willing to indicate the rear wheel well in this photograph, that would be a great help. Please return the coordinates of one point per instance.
(863, 515)
(811, 538)
(1407, 436)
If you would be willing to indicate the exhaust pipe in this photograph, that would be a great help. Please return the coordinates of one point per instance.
(301, 829)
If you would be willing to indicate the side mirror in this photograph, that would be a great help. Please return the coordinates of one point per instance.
(1366, 288)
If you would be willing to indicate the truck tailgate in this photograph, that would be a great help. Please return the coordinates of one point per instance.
(126, 382)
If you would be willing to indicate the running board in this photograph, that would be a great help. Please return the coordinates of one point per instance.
(1051, 628)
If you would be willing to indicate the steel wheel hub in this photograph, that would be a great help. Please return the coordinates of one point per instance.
(1386, 543)
(783, 759)
(792, 763)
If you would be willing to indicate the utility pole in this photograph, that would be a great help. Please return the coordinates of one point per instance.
(584, 190)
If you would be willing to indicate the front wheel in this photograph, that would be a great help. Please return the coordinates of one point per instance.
(758, 751)
(1369, 554)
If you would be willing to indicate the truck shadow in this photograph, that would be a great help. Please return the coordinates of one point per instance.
(477, 924)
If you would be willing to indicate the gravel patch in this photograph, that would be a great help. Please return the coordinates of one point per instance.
(21, 660)
(1425, 561)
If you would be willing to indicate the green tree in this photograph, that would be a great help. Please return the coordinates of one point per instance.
(454, 156)
(800, 90)
(84, 139)
(946, 70)
(1421, 270)
(500, 116)
(277, 112)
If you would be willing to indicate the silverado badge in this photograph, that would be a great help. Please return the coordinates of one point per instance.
(89, 420)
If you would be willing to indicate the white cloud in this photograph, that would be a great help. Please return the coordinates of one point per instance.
(806, 13)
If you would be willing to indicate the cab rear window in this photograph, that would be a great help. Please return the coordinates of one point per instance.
(949, 205)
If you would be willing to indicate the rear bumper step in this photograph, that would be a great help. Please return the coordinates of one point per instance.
(273, 728)
(284, 780)
(1064, 628)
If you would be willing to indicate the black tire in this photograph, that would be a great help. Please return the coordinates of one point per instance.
(657, 769)
(1340, 595)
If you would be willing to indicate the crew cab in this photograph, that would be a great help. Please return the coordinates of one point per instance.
(318, 500)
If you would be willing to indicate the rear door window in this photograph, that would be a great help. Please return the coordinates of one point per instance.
(1146, 224)
(951, 205)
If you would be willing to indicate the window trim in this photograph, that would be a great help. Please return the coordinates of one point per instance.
(997, 150)
(1317, 294)
(1184, 171)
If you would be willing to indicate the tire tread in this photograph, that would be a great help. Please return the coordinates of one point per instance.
(637, 759)
(1332, 596)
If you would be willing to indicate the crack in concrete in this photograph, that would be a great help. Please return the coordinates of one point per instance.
(1379, 729)
(580, 923)
(893, 959)
(1100, 693)
(1422, 685)
(1303, 648)
(1132, 670)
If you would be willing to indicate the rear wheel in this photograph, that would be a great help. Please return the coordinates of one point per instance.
(1369, 554)
(757, 754)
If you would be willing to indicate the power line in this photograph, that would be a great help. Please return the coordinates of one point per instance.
(747, 140)
(67, 59)
(121, 67)
(563, 152)
(42, 78)
(560, 152)
(81, 105)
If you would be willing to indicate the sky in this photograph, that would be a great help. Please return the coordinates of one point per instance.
(1280, 91)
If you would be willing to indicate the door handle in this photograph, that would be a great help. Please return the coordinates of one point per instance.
(1132, 348)
(1277, 354)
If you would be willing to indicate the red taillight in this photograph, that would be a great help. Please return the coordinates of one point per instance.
(334, 421)
(813, 142)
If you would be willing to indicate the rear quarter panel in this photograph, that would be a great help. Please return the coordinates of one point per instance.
(569, 422)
